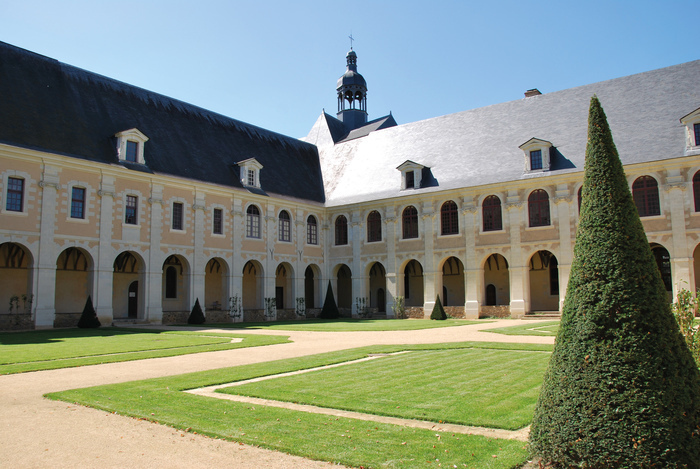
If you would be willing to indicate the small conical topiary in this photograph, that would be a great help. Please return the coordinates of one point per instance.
(89, 320)
(196, 316)
(622, 389)
(438, 311)
(330, 309)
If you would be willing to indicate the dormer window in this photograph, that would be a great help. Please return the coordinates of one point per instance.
(250, 172)
(411, 175)
(692, 132)
(130, 146)
(537, 152)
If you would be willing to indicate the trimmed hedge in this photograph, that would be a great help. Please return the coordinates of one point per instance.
(196, 316)
(330, 308)
(89, 320)
(438, 311)
(622, 390)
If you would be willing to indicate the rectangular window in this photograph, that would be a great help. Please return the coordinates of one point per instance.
(132, 150)
(311, 231)
(410, 180)
(177, 216)
(218, 221)
(696, 127)
(535, 159)
(132, 207)
(77, 203)
(15, 195)
(251, 177)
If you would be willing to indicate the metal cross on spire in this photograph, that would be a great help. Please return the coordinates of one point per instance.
(351, 39)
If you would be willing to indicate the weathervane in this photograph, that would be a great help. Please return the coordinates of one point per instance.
(351, 39)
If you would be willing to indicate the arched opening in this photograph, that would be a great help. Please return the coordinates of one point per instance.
(491, 214)
(449, 218)
(663, 262)
(312, 287)
(413, 283)
(252, 286)
(127, 286)
(16, 271)
(175, 284)
(453, 282)
(377, 283)
(496, 279)
(216, 284)
(74, 271)
(284, 287)
(645, 191)
(344, 290)
(544, 282)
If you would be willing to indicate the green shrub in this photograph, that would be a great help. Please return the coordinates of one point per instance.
(196, 316)
(89, 320)
(622, 389)
(438, 311)
(330, 309)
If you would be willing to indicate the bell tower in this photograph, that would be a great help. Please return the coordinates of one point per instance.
(352, 95)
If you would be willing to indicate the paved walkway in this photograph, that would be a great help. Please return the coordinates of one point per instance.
(37, 432)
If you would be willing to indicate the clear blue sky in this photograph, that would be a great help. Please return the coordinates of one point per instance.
(275, 63)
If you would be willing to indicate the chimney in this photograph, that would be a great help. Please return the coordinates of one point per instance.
(532, 92)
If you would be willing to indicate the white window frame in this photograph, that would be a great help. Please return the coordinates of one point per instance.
(691, 146)
(131, 135)
(250, 167)
(407, 167)
(537, 144)
(25, 189)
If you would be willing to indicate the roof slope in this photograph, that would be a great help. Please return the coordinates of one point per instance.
(50, 106)
(480, 146)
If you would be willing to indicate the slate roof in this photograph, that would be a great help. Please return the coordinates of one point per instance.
(50, 106)
(480, 146)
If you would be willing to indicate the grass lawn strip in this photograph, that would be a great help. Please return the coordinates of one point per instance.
(548, 328)
(456, 386)
(347, 325)
(46, 350)
(327, 438)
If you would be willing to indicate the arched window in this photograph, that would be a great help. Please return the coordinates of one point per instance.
(538, 208)
(449, 219)
(341, 231)
(284, 226)
(491, 212)
(409, 220)
(171, 282)
(252, 222)
(374, 226)
(645, 192)
(696, 191)
(311, 230)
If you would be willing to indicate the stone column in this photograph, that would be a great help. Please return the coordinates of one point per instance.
(563, 203)
(153, 287)
(269, 234)
(46, 261)
(236, 276)
(429, 274)
(519, 271)
(103, 288)
(199, 262)
(682, 265)
(392, 288)
(359, 280)
(472, 270)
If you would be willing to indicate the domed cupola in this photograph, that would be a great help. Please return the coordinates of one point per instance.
(352, 95)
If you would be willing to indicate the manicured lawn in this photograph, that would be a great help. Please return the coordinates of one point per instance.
(340, 440)
(349, 325)
(548, 328)
(453, 386)
(51, 349)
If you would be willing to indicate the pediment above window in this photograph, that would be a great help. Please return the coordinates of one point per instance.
(537, 155)
(411, 174)
(250, 172)
(130, 145)
(692, 131)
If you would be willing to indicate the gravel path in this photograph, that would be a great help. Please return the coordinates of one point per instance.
(37, 432)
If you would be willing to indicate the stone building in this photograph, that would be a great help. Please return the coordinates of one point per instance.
(146, 203)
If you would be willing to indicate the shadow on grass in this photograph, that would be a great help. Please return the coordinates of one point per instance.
(59, 335)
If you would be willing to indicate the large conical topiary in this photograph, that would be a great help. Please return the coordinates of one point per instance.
(622, 390)
(330, 309)
(438, 311)
(89, 320)
(196, 316)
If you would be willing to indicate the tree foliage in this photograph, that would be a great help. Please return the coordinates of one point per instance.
(438, 311)
(89, 320)
(196, 316)
(622, 389)
(684, 310)
(330, 309)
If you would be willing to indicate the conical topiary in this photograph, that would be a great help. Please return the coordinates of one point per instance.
(196, 316)
(438, 311)
(89, 320)
(621, 390)
(330, 309)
